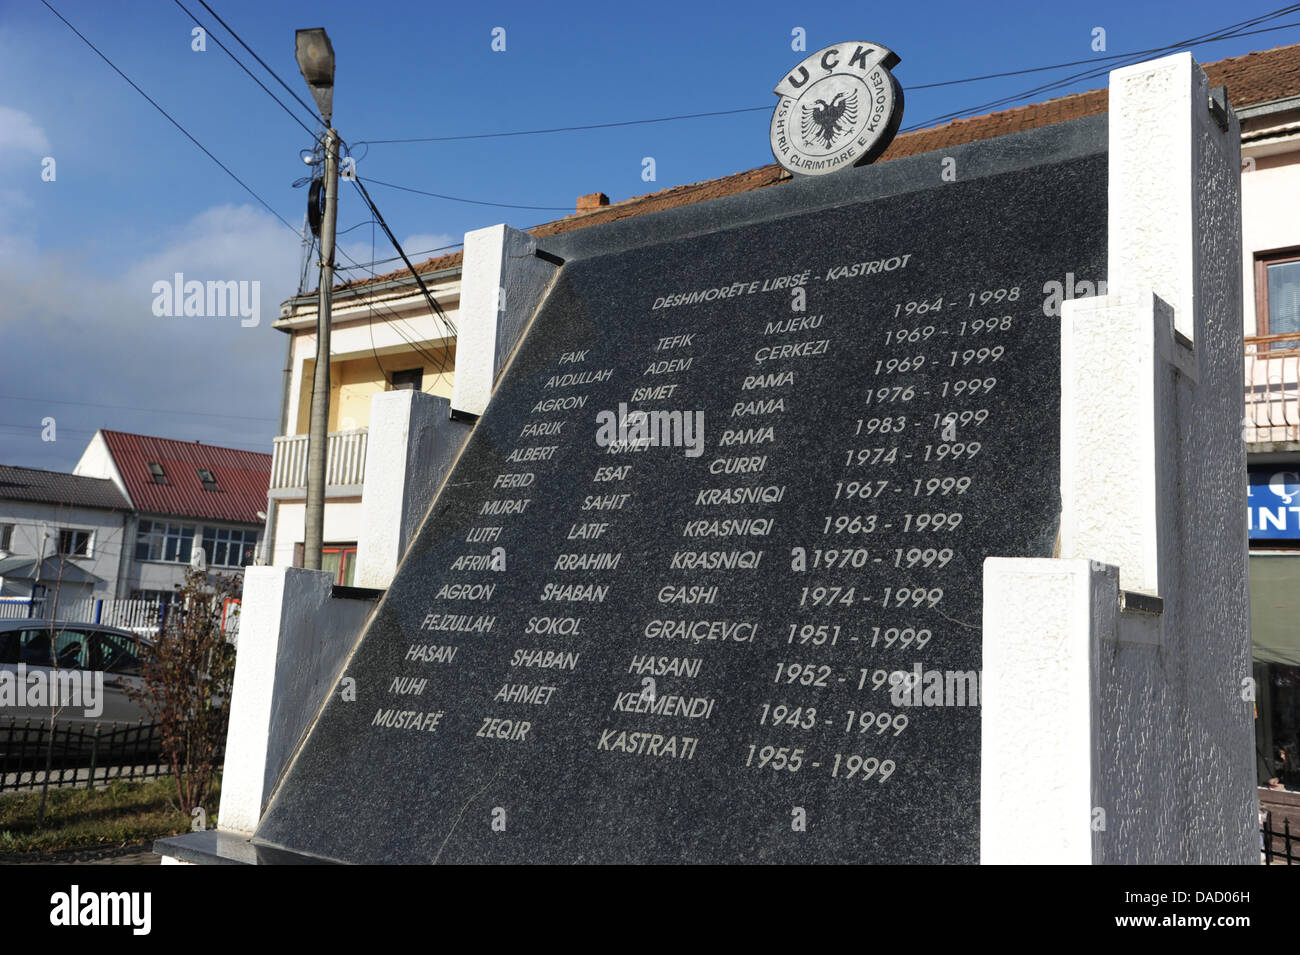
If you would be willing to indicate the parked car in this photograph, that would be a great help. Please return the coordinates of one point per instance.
(68, 653)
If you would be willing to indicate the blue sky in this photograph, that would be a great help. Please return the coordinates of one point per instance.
(133, 201)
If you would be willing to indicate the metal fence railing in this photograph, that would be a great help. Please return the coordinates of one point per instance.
(1272, 405)
(80, 755)
(1279, 847)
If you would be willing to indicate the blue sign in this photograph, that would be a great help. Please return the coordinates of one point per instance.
(1273, 498)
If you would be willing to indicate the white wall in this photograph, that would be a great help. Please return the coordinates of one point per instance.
(358, 331)
(413, 443)
(1270, 216)
(343, 522)
(1152, 484)
(96, 461)
(503, 282)
(293, 640)
(106, 545)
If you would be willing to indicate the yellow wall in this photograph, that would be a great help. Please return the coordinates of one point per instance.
(355, 381)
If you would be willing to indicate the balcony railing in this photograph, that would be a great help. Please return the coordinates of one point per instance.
(1272, 388)
(345, 460)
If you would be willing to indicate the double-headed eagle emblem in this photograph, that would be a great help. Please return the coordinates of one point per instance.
(824, 122)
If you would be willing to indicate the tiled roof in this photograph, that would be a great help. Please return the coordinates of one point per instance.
(242, 477)
(1255, 78)
(55, 487)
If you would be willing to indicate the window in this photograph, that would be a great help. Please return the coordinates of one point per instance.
(411, 379)
(6, 536)
(228, 547)
(159, 475)
(1277, 296)
(208, 478)
(338, 559)
(74, 543)
(46, 647)
(342, 560)
(159, 540)
(115, 653)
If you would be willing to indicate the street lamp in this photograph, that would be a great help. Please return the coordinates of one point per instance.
(315, 57)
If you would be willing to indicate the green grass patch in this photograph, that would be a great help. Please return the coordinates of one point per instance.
(124, 813)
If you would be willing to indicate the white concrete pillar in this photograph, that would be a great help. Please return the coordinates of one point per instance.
(1042, 621)
(411, 447)
(293, 641)
(502, 282)
(1135, 719)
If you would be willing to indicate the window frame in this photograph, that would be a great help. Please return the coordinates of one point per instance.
(224, 539)
(347, 551)
(169, 532)
(89, 549)
(1262, 261)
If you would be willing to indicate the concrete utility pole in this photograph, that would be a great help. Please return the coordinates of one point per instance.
(315, 57)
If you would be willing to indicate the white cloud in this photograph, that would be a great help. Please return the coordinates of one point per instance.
(19, 133)
(73, 335)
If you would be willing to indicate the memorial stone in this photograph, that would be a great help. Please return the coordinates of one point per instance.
(705, 583)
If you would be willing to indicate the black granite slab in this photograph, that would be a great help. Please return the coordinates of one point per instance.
(502, 715)
(213, 847)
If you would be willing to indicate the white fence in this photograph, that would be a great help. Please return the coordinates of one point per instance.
(345, 459)
(138, 616)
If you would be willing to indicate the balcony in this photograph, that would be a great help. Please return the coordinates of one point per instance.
(345, 464)
(1272, 389)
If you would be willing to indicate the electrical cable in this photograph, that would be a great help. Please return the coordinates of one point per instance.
(379, 216)
(475, 202)
(1213, 36)
(241, 42)
(239, 63)
(1207, 38)
(247, 188)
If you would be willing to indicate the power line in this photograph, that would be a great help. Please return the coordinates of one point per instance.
(24, 430)
(475, 202)
(98, 404)
(372, 303)
(379, 217)
(768, 107)
(563, 129)
(395, 258)
(185, 131)
(1222, 33)
(276, 75)
(292, 115)
(1091, 59)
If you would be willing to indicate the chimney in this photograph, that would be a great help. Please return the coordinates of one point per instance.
(592, 201)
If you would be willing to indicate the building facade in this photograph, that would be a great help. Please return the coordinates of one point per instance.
(384, 337)
(183, 497)
(1270, 196)
(62, 539)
